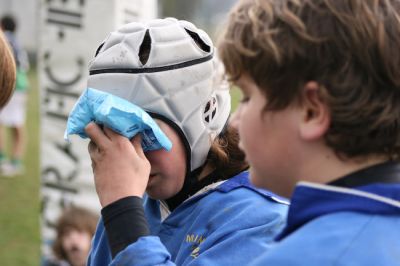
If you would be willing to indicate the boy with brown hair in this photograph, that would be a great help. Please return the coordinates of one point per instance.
(319, 122)
(75, 229)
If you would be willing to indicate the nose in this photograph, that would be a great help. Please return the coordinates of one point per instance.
(74, 235)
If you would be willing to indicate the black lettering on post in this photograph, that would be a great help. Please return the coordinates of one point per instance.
(63, 18)
(48, 70)
(56, 98)
(52, 179)
(55, 103)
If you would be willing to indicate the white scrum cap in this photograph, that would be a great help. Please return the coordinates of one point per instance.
(169, 68)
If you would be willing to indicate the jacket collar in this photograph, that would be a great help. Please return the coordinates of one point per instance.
(242, 180)
(311, 200)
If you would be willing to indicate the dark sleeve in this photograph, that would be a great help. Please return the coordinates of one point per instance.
(125, 222)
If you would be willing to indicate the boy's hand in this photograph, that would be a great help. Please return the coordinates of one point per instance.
(120, 169)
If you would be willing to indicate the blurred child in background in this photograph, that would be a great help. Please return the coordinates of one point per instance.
(75, 229)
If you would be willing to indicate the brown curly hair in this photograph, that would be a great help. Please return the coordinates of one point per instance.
(351, 48)
(76, 218)
(225, 156)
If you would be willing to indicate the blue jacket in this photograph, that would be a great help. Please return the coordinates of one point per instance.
(228, 224)
(330, 225)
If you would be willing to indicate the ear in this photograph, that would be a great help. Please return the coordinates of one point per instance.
(316, 118)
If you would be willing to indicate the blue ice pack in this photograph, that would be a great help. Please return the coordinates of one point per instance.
(117, 114)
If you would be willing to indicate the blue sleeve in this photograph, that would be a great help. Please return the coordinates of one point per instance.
(146, 251)
(237, 248)
(100, 253)
(230, 243)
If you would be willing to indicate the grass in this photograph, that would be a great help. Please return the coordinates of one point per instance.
(236, 96)
(19, 197)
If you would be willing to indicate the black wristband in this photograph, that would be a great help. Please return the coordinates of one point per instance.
(125, 222)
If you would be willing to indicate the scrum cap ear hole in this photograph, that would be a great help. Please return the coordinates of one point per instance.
(98, 49)
(210, 110)
(144, 50)
(200, 43)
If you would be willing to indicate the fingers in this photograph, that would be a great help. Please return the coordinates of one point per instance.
(101, 138)
(112, 134)
(92, 148)
(94, 153)
(96, 135)
(136, 141)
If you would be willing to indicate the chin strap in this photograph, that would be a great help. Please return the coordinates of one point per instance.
(186, 191)
(192, 185)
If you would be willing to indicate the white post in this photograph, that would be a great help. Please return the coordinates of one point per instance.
(69, 33)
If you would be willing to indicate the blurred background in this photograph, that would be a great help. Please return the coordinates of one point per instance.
(206, 14)
(47, 30)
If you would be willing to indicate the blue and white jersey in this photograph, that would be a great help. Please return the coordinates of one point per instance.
(227, 223)
(331, 225)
